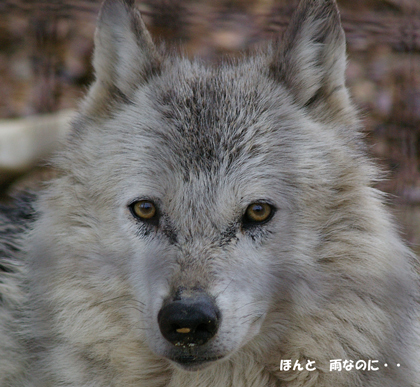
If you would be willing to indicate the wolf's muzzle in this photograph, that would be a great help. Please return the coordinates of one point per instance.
(189, 321)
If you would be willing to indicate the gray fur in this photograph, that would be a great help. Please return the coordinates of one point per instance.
(326, 278)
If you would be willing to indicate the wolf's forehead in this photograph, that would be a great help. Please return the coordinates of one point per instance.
(216, 118)
(212, 98)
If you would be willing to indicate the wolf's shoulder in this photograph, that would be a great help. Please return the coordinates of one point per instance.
(16, 218)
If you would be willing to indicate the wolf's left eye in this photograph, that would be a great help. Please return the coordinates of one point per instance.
(144, 210)
(257, 213)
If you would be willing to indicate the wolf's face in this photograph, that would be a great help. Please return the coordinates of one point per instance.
(198, 191)
(201, 190)
(187, 180)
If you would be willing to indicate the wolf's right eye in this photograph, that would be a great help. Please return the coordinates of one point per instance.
(257, 213)
(144, 210)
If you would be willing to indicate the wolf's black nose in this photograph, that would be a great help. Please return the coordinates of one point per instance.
(189, 321)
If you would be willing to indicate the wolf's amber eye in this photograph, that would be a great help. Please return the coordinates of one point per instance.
(144, 209)
(258, 213)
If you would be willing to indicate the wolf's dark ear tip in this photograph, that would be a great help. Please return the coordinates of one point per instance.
(328, 3)
(113, 10)
(323, 4)
(129, 3)
(115, 3)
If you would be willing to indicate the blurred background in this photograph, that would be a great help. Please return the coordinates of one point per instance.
(46, 48)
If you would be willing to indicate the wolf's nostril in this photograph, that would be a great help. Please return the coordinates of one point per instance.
(189, 321)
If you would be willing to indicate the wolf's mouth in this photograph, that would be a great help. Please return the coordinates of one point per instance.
(194, 363)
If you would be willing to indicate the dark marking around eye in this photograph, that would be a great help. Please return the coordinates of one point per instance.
(229, 234)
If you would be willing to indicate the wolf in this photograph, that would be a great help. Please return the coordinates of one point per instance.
(210, 226)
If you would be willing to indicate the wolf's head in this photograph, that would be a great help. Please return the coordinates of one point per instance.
(194, 201)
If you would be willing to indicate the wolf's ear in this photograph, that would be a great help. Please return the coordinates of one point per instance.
(124, 55)
(310, 60)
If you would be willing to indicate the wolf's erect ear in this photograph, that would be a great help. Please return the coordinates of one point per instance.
(124, 55)
(310, 59)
